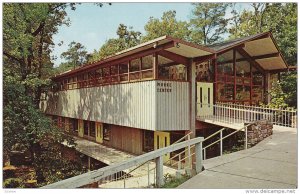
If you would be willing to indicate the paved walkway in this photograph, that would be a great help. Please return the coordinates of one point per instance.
(270, 164)
(111, 156)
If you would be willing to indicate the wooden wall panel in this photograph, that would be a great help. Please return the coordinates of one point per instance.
(126, 139)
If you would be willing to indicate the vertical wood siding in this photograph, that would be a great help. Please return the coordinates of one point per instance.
(137, 105)
(126, 139)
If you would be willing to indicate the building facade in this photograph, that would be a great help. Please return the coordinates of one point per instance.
(149, 96)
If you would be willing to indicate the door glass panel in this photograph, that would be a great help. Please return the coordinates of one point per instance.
(208, 100)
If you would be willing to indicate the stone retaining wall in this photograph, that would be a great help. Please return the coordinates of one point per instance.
(259, 131)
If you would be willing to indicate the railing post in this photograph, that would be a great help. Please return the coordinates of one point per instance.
(159, 171)
(246, 137)
(198, 153)
(179, 161)
(221, 143)
(204, 153)
(148, 175)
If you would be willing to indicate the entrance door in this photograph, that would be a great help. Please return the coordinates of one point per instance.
(204, 99)
(99, 132)
(161, 140)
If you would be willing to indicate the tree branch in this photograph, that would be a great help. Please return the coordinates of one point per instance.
(39, 29)
(12, 57)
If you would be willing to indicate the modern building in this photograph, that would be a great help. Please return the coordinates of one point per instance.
(150, 95)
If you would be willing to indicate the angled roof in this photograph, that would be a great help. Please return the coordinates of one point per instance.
(217, 47)
(175, 46)
(256, 46)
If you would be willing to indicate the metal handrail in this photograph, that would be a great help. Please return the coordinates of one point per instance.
(226, 136)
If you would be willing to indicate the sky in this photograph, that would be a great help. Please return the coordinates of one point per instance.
(92, 25)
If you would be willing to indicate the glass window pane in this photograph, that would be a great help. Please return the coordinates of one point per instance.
(225, 92)
(135, 65)
(147, 62)
(106, 132)
(114, 70)
(242, 93)
(86, 127)
(204, 72)
(92, 129)
(123, 68)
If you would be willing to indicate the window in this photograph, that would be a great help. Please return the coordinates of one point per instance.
(147, 62)
(86, 127)
(148, 143)
(204, 72)
(135, 65)
(106, 132)
(74, 125)
(98, 73)
(92, 129)
(114, 70)
(123, 71)
(225, 92)
(123, 68)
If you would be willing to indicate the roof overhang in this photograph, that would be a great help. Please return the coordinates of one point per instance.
(262, 49)
(172, 45)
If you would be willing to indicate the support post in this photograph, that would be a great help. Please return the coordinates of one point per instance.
(198, 153)
(148, 175)
(234, 74)
(155, 66)
(89, 163)
(251, 83)
(192, 96)
(159, 171)
(214, 63)
(221, 142)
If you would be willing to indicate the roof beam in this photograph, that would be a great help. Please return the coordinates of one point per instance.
(204, 58)
(249, 59)
(254, 58)
(242, 45)
(173, 56)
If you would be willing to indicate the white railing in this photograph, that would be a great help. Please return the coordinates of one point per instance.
(109, 172)
(235, 113)
(220, 141)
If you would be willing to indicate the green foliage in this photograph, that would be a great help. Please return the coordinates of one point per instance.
(126, 38)
(288, 85)
(279, 18)
(173, 182)
(28, 29)
(13, 183)
(277, 96)
(75, 56)
(58, 168)
(167, 25)
(208, 22)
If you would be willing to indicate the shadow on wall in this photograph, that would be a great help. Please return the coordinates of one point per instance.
(110, 104)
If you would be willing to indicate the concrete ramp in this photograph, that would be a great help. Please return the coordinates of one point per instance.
(272, 163)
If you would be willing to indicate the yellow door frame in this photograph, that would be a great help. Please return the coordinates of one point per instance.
(99, 132)
(161, 140)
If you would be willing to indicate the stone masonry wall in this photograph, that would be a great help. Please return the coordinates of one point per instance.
(259, 131)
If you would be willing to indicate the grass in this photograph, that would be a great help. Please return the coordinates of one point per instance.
(173, 182)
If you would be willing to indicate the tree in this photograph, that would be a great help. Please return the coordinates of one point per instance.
(208, 22)
(75, 56)
(167, 25)
(27, 40)
(28, 29)
(279, 18)
(126, 38)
